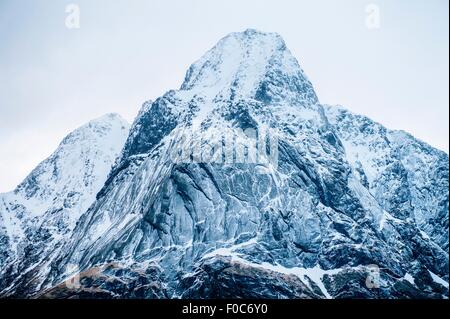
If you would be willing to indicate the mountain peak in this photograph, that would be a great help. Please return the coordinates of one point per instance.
(249, 64)
(109, 118)
(249, 36)
(101, 138)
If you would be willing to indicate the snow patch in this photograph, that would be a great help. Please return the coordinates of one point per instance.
(438, 279)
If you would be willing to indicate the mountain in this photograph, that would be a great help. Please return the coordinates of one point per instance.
(242, 185)
(41, 213)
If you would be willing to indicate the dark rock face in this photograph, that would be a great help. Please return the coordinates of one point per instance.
(151, 126)
(221, 278)
(340, 208)
(110, 281)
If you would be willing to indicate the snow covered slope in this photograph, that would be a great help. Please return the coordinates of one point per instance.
(241, 184)
(407, 177)
(41, 213)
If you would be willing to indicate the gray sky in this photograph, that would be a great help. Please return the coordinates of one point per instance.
(54, 79)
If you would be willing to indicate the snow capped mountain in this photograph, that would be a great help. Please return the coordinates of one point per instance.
(241, 184)
(41, 213)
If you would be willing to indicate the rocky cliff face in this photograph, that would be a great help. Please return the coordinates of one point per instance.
(241, 184)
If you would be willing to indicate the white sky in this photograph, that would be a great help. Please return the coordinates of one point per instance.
(54, 79)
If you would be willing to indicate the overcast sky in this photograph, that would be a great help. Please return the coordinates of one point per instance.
(54, 79)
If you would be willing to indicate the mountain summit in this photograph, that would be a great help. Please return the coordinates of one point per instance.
(242, 185)
(249, 64)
